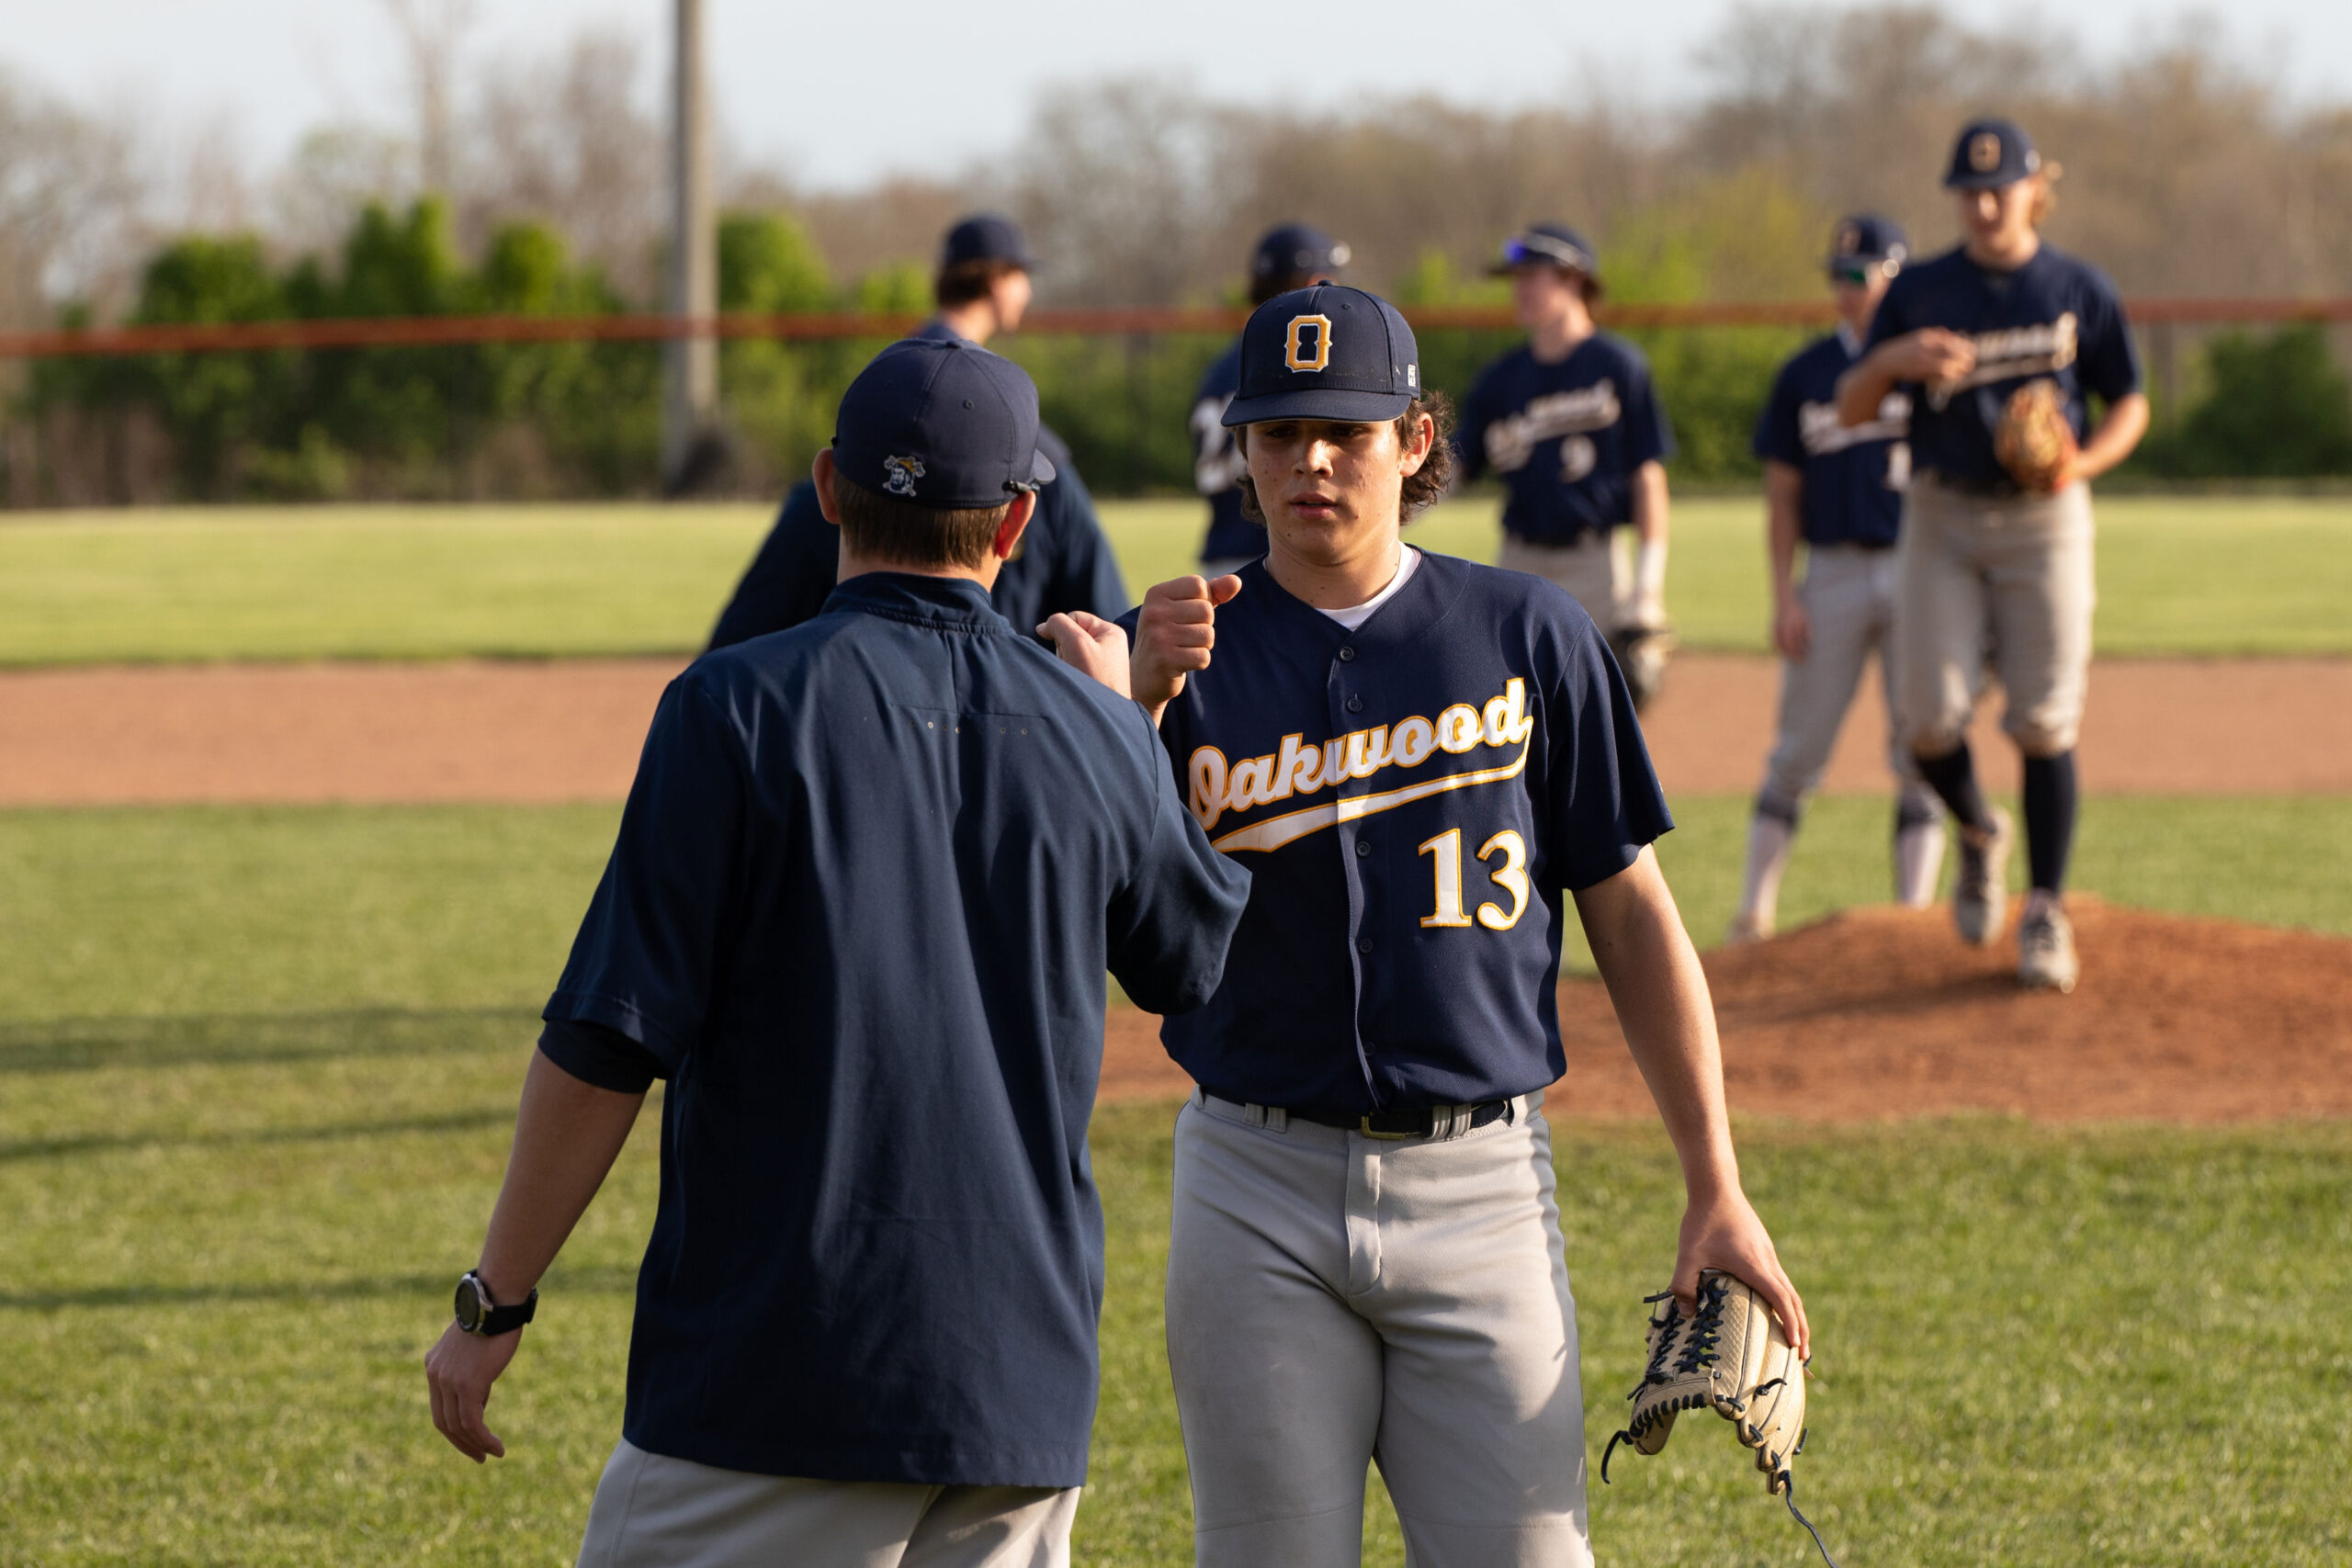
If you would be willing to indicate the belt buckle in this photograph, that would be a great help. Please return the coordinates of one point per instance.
(1365, 1127)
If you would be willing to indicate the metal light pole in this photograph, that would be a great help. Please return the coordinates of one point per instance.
(689, 365)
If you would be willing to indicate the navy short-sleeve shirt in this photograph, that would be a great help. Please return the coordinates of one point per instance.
(869, 877)
(1217, 466)
(1567, 438)
(1854, 474)
(2055, 317)
(1411, 799)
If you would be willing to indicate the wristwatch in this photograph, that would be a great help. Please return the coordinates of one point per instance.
(477, 1315)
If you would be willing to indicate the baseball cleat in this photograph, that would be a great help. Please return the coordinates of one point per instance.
(1980, 898)
(2046, 960)
(1746, 929)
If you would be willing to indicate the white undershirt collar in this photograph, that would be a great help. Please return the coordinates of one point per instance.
(1408, 561)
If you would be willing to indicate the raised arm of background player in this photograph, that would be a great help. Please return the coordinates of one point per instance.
(1930, 354)
(1645, 959)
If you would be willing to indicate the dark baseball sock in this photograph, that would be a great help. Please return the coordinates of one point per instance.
(1953, 776)
(2050, 801)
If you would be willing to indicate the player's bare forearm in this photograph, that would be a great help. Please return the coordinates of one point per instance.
(2116, 438)
(1784, 507)
(1650, 501)
(1928, 356)
(567, 1135)
(1667, 1017)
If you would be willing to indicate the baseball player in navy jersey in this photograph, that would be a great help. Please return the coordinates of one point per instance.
(1573, 425)
(857, 916)
(1416, 758)
(1839, 490)
(1064, 562)
(1289, 255)
(1983, 559)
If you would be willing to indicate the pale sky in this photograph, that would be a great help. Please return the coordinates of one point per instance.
(841, 92)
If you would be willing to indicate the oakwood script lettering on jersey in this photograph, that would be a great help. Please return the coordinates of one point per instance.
(1511, 442)
(1818, 428)
(2015, 352)
(1299, 769)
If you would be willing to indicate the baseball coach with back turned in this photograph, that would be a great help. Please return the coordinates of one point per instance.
(868, 879)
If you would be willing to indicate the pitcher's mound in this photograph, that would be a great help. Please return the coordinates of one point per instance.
(1879, 1013)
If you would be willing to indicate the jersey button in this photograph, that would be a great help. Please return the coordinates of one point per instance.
(1355, 705)
(1363, 944)
(1347, 656)
(1362, 848)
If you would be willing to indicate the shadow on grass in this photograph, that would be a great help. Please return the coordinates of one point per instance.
(600, 1280)
(81, 1045)
(104, 1143)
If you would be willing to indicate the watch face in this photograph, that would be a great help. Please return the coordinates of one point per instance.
(470, 1304)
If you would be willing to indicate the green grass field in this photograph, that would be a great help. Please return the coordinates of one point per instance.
(2210, 576)
(260, 1067)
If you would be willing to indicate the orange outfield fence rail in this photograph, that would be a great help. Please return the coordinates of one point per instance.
(388, 332)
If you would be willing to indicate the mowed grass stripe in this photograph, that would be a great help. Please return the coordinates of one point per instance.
(2212, 576)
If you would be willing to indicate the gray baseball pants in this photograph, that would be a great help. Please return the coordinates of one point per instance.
(653, 1511)
(1336, 1300)
(1596, 570)
(2011, 576)
(1849, 594)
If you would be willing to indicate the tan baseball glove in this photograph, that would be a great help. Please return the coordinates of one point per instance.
(2035, 441)
(1642, 654)
(1732, 1356)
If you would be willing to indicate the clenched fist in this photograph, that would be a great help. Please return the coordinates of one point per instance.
(1174, 636)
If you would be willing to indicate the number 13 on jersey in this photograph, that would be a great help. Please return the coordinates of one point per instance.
(1446, 853)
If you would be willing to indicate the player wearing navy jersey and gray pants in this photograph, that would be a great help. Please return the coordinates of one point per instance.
(1571, 424)
(1417, 758)
(1289, 255)
(1983, 561)
(1840, 490)
(866, 884)
(1064, 563)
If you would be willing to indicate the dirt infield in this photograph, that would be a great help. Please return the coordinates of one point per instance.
(570, 730)
(1883, 1015)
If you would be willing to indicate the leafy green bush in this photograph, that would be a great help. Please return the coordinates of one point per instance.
(2274, 407)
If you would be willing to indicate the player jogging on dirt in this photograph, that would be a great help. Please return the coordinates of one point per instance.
(1289, 255)
(1064, 563)
(857, 916)
(1415, 757)
(1572, 423)
(1839, 490)
(1999, 344)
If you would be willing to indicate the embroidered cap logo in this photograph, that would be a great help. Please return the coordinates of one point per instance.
(1985, 152)
(1309, 348)
(904, 473)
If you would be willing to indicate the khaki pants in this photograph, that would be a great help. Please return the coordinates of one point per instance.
(1849, 594)
(1595, 571)
(2004, 579)
(1335, 1300)
(652, 1511)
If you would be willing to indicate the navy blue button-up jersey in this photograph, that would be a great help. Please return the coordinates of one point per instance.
(869, 877)
(1411, 799)
(1217, 467)
(1854, 476)
(1567, 438)
(2057, 317)
(1063, 563)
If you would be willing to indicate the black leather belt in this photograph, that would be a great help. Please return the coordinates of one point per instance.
(1424, 1122)
(1996, 487)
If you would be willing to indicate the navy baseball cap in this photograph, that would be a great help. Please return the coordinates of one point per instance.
(1328, 352)
(1865, 240)
(1298, 247)
(943, 422)
(987, 236)
(1991, 154)
(1553, 242)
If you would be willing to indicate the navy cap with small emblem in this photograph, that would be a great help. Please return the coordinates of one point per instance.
(1297, 248)
(1865, 239)
(1328, 352)
(1991, 154)
(943, 422)
(1554, 243)
(987, 236)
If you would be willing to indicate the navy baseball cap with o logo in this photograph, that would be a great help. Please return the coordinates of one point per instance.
(1298, 247)
(942, 422)
(1328, 352)
(1991, 154)
(1866, 240)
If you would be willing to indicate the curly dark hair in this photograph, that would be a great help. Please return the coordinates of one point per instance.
(1424, 489)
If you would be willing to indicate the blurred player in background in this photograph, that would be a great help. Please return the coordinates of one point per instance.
(1572, 424)
(1291, 256)
(1997, 546)
(1839, 489)
(1064, 562)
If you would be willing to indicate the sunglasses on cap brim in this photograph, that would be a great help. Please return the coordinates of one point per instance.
(1522, 249)
(1860, 272)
